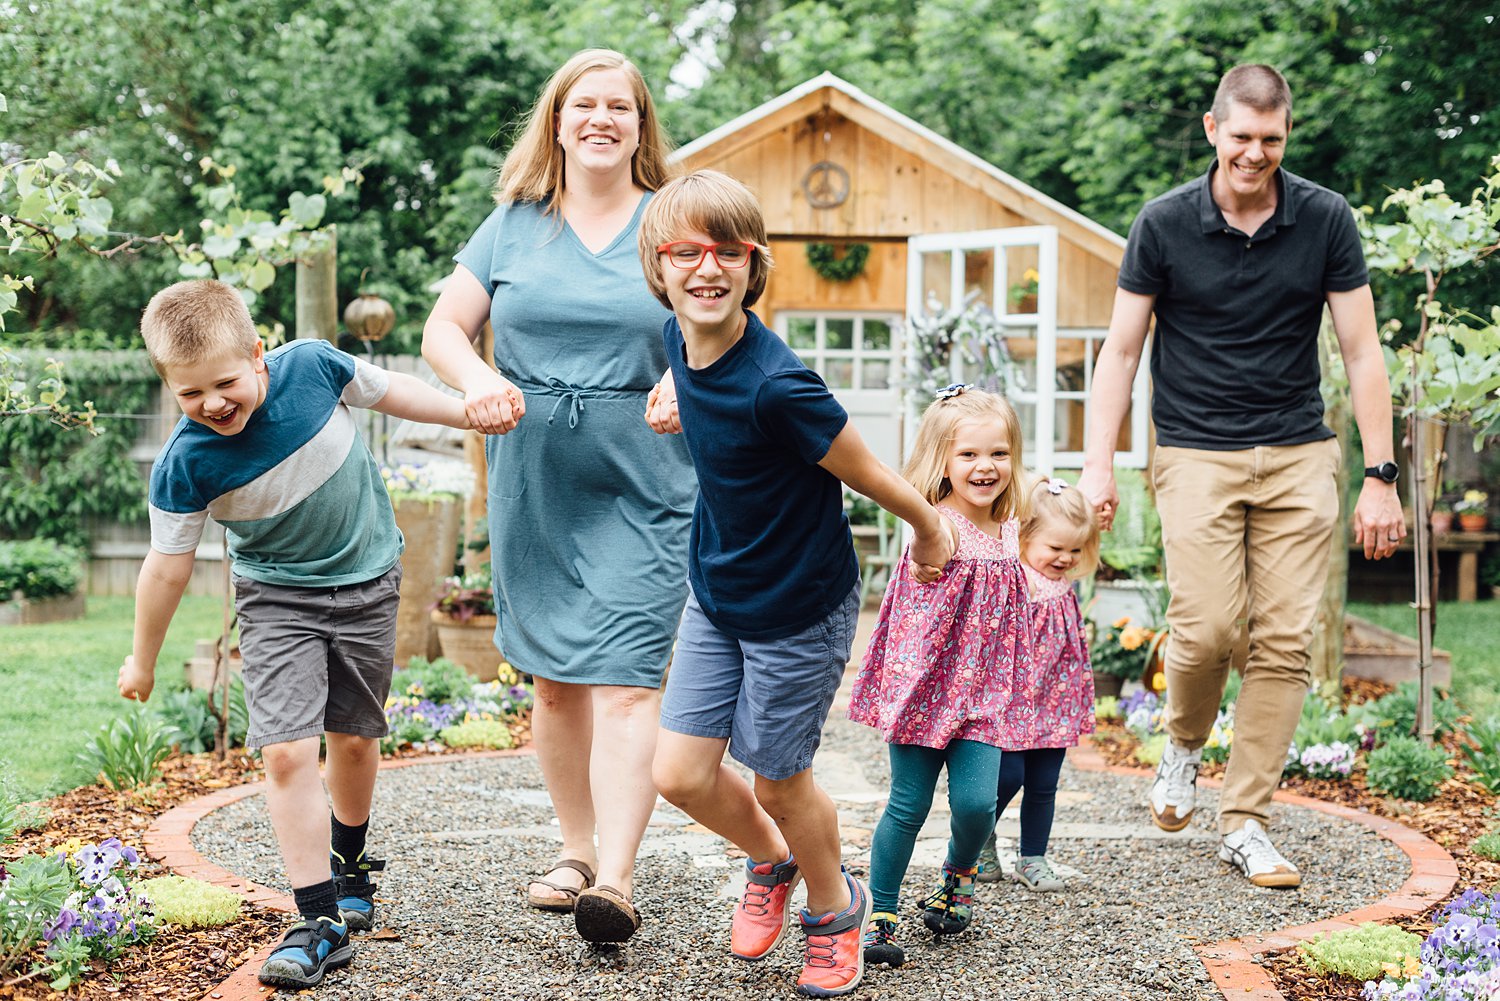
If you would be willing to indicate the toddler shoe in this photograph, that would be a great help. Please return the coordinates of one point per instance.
(765, 909)
(949, 909)
(1035, 873)
(833, 962)
(989, 862)
(355, 889)
(880, 941)
(307, 952)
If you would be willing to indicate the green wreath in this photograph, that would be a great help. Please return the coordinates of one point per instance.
(824, 260)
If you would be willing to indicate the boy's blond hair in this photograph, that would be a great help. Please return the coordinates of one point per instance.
(709, 202)
(927, 467)
(1056, 501)
(191, 321)
(533, 169)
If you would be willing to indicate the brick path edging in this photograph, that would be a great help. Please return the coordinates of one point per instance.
(169, 841)
(1231, 963)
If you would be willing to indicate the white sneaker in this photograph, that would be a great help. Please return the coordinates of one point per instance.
(1175, 793)
(1251, 850)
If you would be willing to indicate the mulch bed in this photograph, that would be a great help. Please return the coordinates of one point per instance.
(177, 965)
(1461, 812)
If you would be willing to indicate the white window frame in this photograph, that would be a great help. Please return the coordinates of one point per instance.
(821, 353)
(1135, 457)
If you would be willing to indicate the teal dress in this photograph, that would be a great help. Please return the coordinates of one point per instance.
(589, 508)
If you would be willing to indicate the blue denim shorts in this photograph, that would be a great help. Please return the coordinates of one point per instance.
(769, 698)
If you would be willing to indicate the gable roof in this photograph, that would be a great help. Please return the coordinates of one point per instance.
(837, 94)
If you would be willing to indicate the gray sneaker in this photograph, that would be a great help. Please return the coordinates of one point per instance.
(1249, 849)
(989, 862)
(1034, 872)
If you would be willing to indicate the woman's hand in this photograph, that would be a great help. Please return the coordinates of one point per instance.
(661, 410)
(492, 402)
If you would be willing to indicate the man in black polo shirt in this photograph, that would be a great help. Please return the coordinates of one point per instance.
(1237, 267)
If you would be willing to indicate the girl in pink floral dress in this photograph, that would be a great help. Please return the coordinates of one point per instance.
(941, 662)
(1052, 699)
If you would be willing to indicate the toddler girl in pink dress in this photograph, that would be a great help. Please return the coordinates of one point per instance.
(1052, 698)
(939, 670)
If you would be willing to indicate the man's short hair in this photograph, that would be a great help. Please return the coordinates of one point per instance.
(190, 321)
(1255, 85)
(709, 202)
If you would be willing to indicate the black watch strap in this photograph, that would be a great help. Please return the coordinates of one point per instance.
(1386, 471)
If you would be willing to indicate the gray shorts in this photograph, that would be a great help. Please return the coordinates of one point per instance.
(317, 658)
(769, 698)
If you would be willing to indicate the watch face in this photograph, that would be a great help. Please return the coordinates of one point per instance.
(1387, 471)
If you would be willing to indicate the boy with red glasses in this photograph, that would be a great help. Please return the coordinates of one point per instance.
(774, 580)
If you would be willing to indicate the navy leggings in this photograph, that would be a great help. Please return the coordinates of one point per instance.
(973, 770)
(1037, 771)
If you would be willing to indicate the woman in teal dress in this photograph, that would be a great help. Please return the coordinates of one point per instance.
(589, 508)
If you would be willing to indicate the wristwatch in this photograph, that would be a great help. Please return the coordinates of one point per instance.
(1387, 471)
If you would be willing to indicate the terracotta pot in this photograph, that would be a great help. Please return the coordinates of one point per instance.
(1473, 522)
(1107, 685)
(470, 644)
(1442, 522)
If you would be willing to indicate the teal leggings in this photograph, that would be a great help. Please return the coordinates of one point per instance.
(973, 775)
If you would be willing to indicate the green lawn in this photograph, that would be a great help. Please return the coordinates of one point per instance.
(1470, 631)
(57, 685)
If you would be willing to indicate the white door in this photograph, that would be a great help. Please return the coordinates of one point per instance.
(859, 356)
(1002, 281)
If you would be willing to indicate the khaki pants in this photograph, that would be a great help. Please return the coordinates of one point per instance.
(1252, 528)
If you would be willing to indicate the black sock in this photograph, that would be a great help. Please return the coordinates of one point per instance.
(317, 901)
(348, 842)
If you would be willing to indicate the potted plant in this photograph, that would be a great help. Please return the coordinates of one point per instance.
(1120, 652)
(1471, 510)
(464, 615)
(1442, 516)
(1022, 295)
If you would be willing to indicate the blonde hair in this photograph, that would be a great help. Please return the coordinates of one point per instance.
(1065, 506)
(927, 469)
(533, 169)
(710, 202)
(191, 321)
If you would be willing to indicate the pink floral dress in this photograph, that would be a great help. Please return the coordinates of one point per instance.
(1052, 699)
(943, 656)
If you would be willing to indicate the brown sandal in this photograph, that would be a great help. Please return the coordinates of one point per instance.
(570, 894)
(605, 915)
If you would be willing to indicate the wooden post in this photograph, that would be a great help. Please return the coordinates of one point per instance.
(317, 293)
(476, 510)
(1327, 653)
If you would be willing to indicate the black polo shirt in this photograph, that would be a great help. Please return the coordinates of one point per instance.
(1234, 362)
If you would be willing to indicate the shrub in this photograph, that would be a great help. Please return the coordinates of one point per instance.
(439, 680)
(38, 568)
(1487, 846)
(1232, 687)
(186, 712)
(1406, 768)
(1122, 649)
(1150, 751)
(127, 750)
(1484, 755)
(190, 903)
(1107, 708)
(1362, 953)
(1395, 713)
(1321, 723)
(32, 892)
(491, 734)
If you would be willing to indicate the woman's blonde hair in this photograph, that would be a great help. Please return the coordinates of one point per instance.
(713, 203)
(1055, 501)
(927, 469)
(533, 169)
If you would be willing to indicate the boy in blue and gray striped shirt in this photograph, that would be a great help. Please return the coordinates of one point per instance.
(268, 447)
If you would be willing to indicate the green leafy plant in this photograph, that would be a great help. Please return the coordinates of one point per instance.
(825, 260)
(1122, 649)
(1406, 768)
(1232, 687)
(1150, 751)
(126, 751)
(1487, 845)
(1107, 707)
(1133, 545)
(492, 734)
(1361, 953)
(464, 597)
(1483, 752)
(33, 889)
(1321, 723)
(186, 712)
(439, 680)
(16, 815)
(38, 568)
(190, 903)
(1489, 570)
(1396, 712)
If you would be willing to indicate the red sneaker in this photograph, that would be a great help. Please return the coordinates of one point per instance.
(834, 962)
(765, 911)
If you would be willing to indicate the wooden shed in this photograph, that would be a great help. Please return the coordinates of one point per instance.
(835, 169)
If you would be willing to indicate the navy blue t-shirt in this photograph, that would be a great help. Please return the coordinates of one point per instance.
(770, 553)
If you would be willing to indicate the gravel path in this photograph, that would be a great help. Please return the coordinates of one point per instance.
(464, 835)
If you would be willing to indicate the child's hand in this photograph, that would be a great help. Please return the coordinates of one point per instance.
(135, 681)
(661, 411)
(931, 551)
(493, 404)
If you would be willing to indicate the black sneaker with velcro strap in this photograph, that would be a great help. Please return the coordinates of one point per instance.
(310, 948)
(355, 889)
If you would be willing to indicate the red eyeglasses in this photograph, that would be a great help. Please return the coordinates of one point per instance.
(687, 254)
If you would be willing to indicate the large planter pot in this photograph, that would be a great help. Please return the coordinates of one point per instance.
(1442, 522)
(1473, 522)
(1107, 686)
(21, 611)
(471, 644)
(431, 531)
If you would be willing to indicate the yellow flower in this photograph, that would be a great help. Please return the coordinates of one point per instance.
(1030, 275)
(1159, 682)
(1134, 637)
(1121, 622)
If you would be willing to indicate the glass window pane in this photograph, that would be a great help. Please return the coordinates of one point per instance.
(802, 332)
(877, 335)
(1021, 279)
(1070, 374)
(839, 335)
(979, 276)
(875, 375)
(839, 373)
(937, 280)
(1027, 413)
(1020, 342)
(1068, 427)
(810, 360)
